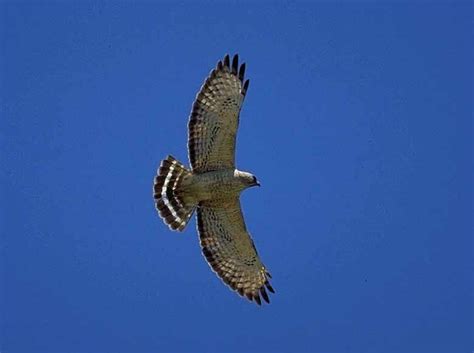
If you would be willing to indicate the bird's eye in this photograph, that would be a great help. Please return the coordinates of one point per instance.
(254, 180)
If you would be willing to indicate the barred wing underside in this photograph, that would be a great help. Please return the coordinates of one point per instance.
(229, 249)
(214, 117)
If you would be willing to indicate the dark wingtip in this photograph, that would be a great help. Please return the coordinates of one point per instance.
(264, 295)
(219, 65)
(227, 61)
(269, 287)
(257, 299)
(242, 72)
(235, 64)
(246, 87)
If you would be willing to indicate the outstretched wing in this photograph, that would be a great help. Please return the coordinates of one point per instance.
(229, 249)
(214, 119)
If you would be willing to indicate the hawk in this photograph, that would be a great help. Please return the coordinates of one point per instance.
(213, 185)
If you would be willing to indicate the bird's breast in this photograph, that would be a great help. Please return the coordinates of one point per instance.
(215, 184)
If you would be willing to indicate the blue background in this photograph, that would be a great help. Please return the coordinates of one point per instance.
(358, 123)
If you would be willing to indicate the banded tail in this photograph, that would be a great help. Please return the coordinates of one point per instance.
(168, 194)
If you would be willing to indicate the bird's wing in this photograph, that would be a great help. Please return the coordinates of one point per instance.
(229, 249)
(214, 119)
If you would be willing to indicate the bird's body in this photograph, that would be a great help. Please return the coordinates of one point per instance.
(219, 184)
(213, 185)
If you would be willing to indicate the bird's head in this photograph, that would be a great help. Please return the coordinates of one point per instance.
(247, 179)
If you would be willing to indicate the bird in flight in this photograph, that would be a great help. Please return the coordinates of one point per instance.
(213, 185)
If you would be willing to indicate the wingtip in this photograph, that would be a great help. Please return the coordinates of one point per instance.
(264, 295)
(249, 296)
(227, 61)
(269, 287)
(242, 72)
(257, 299)
(235, 64)
(245, 87)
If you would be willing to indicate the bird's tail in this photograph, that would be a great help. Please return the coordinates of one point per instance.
(170, 202)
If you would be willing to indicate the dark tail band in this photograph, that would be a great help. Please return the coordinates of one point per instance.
(166, 192)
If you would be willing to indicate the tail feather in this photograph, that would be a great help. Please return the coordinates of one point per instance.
(169, 200)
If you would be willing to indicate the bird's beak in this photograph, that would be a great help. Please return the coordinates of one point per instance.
(257, 184)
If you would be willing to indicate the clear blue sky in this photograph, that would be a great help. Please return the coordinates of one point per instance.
(357, 122)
